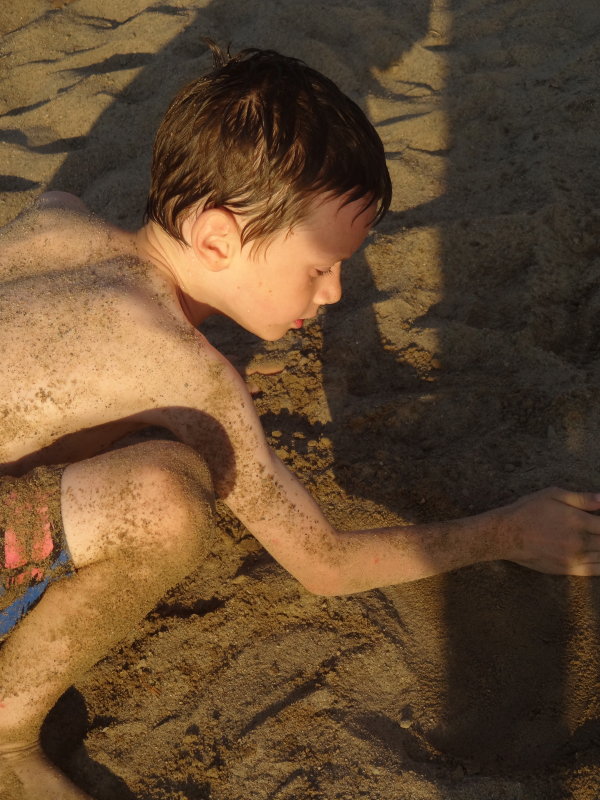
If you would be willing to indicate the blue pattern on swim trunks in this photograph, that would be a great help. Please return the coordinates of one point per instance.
(10, 616)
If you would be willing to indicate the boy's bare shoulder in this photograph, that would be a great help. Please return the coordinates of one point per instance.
(57, 232)
(76, 288)
(59, 263)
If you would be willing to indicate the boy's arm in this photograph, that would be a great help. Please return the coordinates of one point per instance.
(550, 531)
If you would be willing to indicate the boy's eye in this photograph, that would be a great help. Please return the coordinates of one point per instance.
(323, 272)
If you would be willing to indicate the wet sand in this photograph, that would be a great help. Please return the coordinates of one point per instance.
(460, 370)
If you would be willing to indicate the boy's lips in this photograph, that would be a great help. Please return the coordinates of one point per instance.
(298, 323)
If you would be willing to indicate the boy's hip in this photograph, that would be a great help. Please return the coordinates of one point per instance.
(33, 549)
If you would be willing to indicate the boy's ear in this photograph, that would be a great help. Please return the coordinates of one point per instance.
(215, 238)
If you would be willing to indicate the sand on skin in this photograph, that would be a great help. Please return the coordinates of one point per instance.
(460, 370)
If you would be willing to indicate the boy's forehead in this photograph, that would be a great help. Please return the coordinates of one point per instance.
(333, 227)
(329, 211)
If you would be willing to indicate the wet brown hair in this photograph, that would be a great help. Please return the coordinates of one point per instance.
(262, 135)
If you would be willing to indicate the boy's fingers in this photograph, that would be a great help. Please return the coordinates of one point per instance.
(591, 524)
(590, 545)
(586, 501)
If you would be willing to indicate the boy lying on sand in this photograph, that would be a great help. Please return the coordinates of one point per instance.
(265, 179)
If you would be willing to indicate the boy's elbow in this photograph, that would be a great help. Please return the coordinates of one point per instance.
(324, 569)
(325, 582)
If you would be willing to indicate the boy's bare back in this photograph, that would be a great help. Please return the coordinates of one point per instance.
(94, 341)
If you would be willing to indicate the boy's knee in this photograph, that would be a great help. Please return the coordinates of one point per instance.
(176, 482)
(153, 500)
(175, 466)
(182, 480)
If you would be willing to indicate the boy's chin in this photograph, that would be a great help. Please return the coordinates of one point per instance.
(269, 333)
(273, 337)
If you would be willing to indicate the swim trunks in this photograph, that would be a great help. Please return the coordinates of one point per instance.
(33, 548)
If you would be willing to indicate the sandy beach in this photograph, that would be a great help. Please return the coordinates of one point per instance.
(460, 370)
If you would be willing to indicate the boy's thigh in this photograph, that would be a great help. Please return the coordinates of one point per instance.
(33, 547)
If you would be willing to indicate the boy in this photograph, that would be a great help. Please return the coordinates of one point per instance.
(265, 178)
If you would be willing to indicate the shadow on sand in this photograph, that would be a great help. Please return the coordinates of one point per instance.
(498, 691)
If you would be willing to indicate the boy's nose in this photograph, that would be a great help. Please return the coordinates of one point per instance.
(330, 287)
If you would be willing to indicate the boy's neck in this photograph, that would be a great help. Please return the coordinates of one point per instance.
(171, 259)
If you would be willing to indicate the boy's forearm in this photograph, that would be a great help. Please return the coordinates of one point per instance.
(329, 562)
(550, 531)
(369, 559)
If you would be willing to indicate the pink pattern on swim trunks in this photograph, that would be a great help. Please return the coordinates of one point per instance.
(43, 545)
(36, 573)
(14, 552)
(40, 544)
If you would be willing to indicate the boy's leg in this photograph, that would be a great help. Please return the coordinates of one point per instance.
(136, 520)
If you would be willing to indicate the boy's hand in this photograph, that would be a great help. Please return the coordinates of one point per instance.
(552, 531)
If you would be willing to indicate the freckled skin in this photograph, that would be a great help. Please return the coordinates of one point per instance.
(98, 339)
(96, 344)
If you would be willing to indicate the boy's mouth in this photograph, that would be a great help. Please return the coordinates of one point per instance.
(298, 323)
